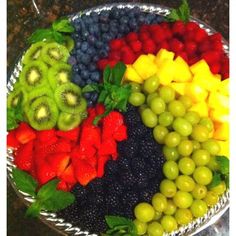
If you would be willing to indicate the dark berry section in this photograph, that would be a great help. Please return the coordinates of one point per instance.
(133, 178)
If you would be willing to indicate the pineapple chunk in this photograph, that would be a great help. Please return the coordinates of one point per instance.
(196, 92)
(132, 75)
(180, 88)
(200, 67)
(220, 115)
(224, 87)
(162, 55)
(218, 101)
(221, 131)
(182, 72)
(201, 108)
(151, 56)
(224, 148)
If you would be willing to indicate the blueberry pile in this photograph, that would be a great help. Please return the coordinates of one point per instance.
(133, 178)
(92, 34)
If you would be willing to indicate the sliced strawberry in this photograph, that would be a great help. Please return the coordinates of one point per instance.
(92, 160)
(68, 175)
(24, 133)
(58, 162)
(24, 156)
(72, 135)
(83, 152)
(44, 173)
(102, 160)
(62, 186)
(108, 147)
(46, 135)
(12, 142)
(100, 108)
(91, 116)
(90, 135)
(121, 133)
(84, 172)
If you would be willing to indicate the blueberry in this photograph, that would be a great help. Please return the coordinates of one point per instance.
(94, 97)
(115, 12)
(78, 44)
(106, 37)
(84, 46)
(94, 16)
(91, 39)
(75, 69)
(104, 28)
(103, 17)
(72, 60)
(103, 53)
(96, 58)
(91, 51)
(85, 74)
(87, 95)
(81, 67)
(98, 44)
(89, 81)
(85, 34)
(85, 59)
(141, 19)
(92, 67)
(89, 103)
(77, 79)
(124, 20)
(95, 76)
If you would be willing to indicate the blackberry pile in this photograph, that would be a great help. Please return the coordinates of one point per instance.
(133, 178)
(92, 35)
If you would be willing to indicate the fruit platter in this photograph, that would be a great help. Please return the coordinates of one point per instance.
(118, 122)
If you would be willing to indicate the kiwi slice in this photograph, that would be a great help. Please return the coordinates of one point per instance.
(58, 74)
(34, 75)
(69, 43)
(43, 113)
(33, 53)
(68, 98)
(53, 53)
(40, 92)
(17, 95)
(67, 121)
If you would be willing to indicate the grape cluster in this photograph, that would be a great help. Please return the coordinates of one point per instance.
(92, 35)
(129, 180)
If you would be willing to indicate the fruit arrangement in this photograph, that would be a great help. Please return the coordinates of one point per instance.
(122, 118)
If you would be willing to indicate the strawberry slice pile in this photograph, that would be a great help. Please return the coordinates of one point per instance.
(78, 155)
(187, 40)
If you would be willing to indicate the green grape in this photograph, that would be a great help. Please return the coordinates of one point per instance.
(170, 153)
(186, 166)
(213, 164)
(200, 133)
(155, 229)
(171, 208)
(151, 96)
(207, 122)
(167, 188)
(166, 118)
(199, 191)
(183, 216)
(158, 215)
(198, 208)
(196, 145)
(159, 133)
(202, 175)
(159, 202)
(135, 87)
(172, 139)
(144, 212)
(182, 126)
(185, 147)
(136, 99)
(140, 226)
(170, 170)
(185, 183)
(176, 108)
(167, 94)
(149, 118)
(151, 84)
(168, 223)
(211, 146)
(201, 157)
(183, 199)
(211, 198)
(192, 117)
(142, 108)
(186, 101)
(219, 189)
(157, 105)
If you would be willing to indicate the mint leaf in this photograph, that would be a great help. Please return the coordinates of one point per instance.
(216, 180)
(41, 35)
(63, 25)
(106, 75)
(224, 164)
(113, 221)
(118, 72)
(58, 37)
(47, 190)
(24, 182)
(34, 210)
(90, 88)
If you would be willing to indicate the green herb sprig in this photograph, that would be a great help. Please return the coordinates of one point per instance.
(46, 198)
(180, 13)
(112, 93)
(120, 226)
(54, 33)
(222, 174)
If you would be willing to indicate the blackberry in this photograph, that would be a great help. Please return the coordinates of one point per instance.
(123, 163)
(96, 186)
(146, 195)
(112, 201)
(142, 179)
(138, 164)
(116, 189)
(128, 148)
(130, 199)
(128, 179)
(80, 191)
(97, 199)
(111, 167)
(151, 171)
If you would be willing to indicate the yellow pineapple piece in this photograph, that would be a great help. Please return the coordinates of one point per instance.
(162, 55)
(224, 148)
(218, 101)
(220, 115)
(196, 92)
(201, 108)
(151, 56)
(132, 75)
(221, 131)
(182, 72)
(224, 87)
(179, 88)
(200, 67)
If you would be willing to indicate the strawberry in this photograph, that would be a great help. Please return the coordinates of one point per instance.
(91, 116)
(200, 35)
(101, 64)
(12, 142)
(132, 36)
(58, 162)
(45, 136)
(183, 54)
(71, 135)
(83, 152)
(100, 109)
(136, 45)
(90, 135)
(178, 28)
(68, 175)
(63, 186)
(215, 67)
(102, 160)
(121, 133)
(116, 44)
(24, 133)
(143, 36)
(149, 46)
(44, 173)
(176, 45)
(84, 172)
(108, 147)
(127, 56)
(24, 156)
(191, 26)
(190, 47)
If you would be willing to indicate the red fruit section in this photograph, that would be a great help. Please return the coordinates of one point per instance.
(77, 155)
(187, 40)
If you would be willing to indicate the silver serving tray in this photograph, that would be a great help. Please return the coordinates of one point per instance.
(66, 228)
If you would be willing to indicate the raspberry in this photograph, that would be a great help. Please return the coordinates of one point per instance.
(191, 26)
(176, 45)
(102, 63)
(127, 56)
(116, 44)
(190, 47)
(144, 36)
(215, 68)
(217, 45)
(178, 28)
(193, 60)
(168, 33)
(158, 34)
(149, 46)
(132, 36)
(215, 37)
(165, 25)
(211, 56)
(205, 46)
(200, 35)
(183, 55)
(165, 45)
(114, 55)
(136, 45)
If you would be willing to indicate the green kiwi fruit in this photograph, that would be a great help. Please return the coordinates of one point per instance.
(68, 98)
(40, 92)
(69, 43)
(34, 74)
(53, 53)
(43, 113)
(67, 121)
(18, 94)
(33, 53)
(58, 74)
